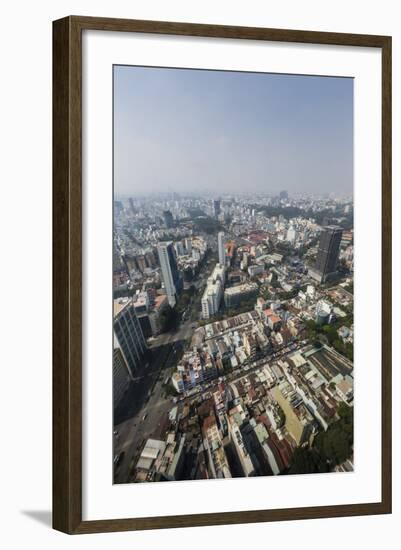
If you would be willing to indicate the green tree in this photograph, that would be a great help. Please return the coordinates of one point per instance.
(307, 461)
(329, 449)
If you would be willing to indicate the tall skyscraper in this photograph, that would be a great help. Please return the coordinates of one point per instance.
(171, 277)
(221, 247)
(216, 208)
(128, 334)
(132, 206)
(283, 195)
(328, 252)
(168, 219)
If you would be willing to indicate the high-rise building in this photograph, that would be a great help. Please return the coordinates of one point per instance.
(121, 376)
(221, 247)
(171, 277)
(213, 293)
(216, 208)
(283, 195)
(168, 219)
(132, 206)
(328, 252)
(128, 334)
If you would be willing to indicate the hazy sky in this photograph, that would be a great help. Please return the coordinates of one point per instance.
(193, 130)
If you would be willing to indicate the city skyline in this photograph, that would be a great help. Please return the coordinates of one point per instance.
(239, 317)
(233, 275)
(221, 130)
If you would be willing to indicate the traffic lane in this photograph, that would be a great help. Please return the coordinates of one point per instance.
(139, 389)
(146, 421)
(140, 431)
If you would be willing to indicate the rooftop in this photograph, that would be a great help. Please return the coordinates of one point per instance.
(245, 287)
(274, 318)
(120, 304)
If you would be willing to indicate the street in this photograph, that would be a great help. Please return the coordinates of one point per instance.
(144, 410)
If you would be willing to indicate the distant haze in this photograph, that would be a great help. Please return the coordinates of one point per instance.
(228, 132)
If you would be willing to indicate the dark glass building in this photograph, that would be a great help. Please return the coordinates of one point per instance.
(216, 208)
(168, 219)
(173, 282)
(328, 252)
(129, 335)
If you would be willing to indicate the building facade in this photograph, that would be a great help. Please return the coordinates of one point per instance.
(171, 277)
(121, 376)
(168, 219)
(221, 247)
(328, 252)
(235, 295)
(129, 335)
(216, 208)
(213, 293)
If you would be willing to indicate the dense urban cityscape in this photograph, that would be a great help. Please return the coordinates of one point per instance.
(233, 335)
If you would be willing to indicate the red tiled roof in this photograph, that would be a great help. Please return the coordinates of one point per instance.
(275, 318)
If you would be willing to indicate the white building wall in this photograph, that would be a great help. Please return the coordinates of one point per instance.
(222, 250)
(166, 273)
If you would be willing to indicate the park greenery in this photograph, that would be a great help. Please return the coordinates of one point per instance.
(328, 334)
(204, 223)
(329, 448)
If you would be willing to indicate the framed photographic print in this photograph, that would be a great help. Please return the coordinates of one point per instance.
(222, 274)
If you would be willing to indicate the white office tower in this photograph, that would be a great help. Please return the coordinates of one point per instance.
(219, 272)
(222, 250)
(211, 299)
(291, 234)
(169, 269)
(213, 294)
